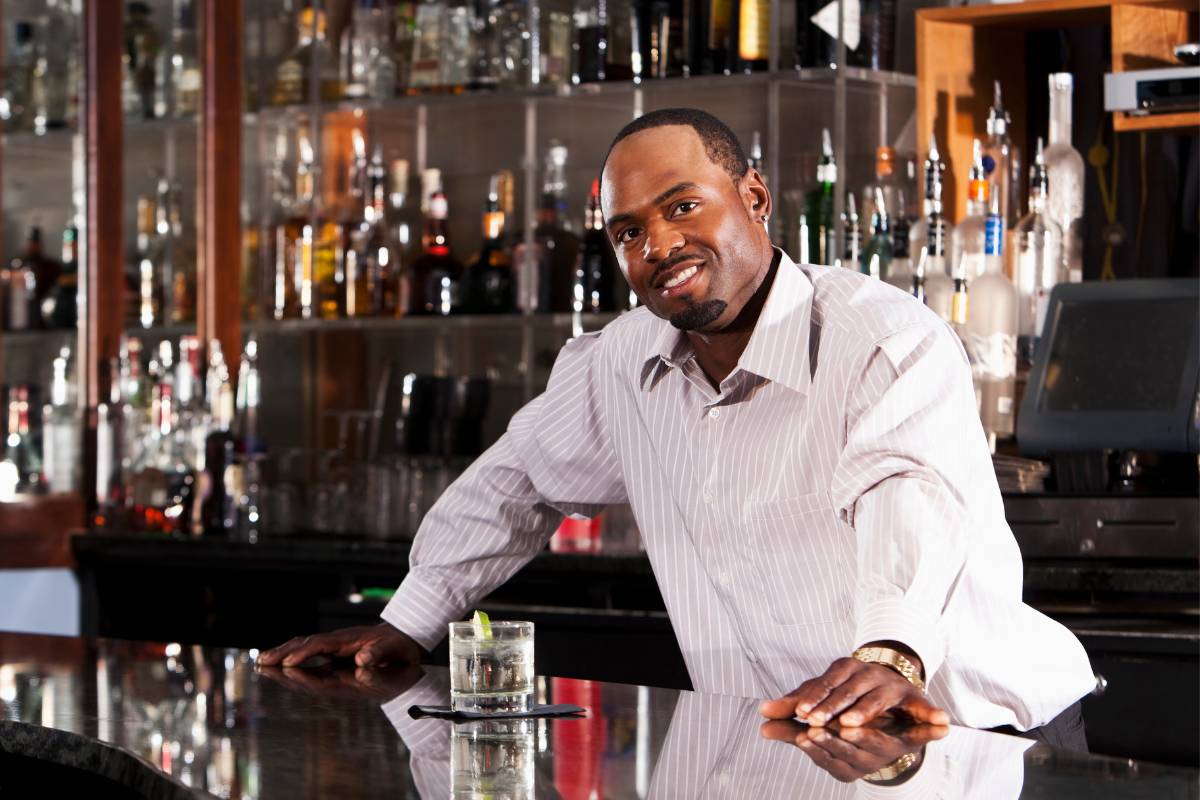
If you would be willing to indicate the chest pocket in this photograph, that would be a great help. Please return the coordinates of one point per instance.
(804, 556)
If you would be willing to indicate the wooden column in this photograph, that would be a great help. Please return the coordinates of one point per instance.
(219, 225)
(103, 275)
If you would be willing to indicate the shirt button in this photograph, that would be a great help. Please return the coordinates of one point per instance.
(708, 498)
(753, 659)
(713, 413)
(723, 579)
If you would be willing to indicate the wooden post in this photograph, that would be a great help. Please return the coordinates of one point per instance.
(219, 193)
(103, 275)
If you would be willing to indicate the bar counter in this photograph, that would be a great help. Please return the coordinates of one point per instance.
(113, 718)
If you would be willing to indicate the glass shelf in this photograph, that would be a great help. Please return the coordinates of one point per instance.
(472, 98)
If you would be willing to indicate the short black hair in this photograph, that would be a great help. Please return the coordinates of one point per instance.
(720, 143)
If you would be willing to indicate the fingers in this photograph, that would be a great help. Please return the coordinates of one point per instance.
(868, 707)
(801, 701)
(846, 752)
(825, 760)
(275, 656)
(781, 730)
(386, 645)
(862, 683)
(920, 709)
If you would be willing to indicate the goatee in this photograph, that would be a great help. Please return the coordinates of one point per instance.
(698, 315)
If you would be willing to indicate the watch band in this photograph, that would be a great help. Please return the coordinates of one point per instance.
(894, 770)
(893, 659)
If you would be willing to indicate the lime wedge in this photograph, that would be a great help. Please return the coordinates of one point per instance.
(482, 625)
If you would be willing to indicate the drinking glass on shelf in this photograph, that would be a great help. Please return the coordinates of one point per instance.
(491, 666)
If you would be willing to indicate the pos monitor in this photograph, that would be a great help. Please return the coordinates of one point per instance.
(1115, 369)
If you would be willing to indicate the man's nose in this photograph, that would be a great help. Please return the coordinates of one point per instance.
(662, 241)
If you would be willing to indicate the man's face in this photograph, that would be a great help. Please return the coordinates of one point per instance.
(689, 239)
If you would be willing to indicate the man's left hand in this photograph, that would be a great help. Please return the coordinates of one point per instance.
(854, 693)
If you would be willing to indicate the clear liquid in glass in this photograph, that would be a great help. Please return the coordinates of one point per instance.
(492, 675)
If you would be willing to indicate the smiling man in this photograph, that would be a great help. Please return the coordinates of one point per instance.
(802, 452)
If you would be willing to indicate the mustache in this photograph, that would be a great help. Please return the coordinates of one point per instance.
(671, 263)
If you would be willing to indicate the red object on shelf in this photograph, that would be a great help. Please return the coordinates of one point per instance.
(578, 535)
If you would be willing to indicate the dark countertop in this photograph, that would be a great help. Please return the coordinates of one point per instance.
(171, 721)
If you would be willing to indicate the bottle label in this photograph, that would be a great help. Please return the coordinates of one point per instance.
(993, 236)
(995, 355)
(754, 30)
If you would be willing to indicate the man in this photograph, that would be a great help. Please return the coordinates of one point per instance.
(802, 451)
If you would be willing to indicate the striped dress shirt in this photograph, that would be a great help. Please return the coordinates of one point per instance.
(835, 489)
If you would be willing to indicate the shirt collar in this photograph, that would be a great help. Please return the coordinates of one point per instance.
(778, 347)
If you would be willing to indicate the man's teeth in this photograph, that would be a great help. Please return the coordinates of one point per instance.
(681, 277)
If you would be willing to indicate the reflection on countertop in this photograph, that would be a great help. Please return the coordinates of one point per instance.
(204, 722)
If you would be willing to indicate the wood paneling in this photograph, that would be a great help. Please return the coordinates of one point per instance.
(1144, 37)
(219, 226)
(36, 532)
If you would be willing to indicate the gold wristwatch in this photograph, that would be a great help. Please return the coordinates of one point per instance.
(891, 658)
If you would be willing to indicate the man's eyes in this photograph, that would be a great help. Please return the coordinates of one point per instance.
(684, 207)
(628, 235)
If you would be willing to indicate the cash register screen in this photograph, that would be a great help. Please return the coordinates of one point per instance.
(1118, 356)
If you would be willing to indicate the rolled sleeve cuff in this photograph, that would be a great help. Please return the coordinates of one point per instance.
(421, 609)
(899, 620)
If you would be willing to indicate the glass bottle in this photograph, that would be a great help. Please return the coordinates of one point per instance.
(21, 467)
(970, 237)
(60, 306)
(429, 21)
(56, 72)
(550, 48)
(436, 273)
(819, 206)
(851, 234)
(1002, 159)
(754, 34)
(404, 32)
(311, 59)
(1065, 177)
(367, 65)
(992, 333)
(816, 34)
(933, 232)
(546, 272)
(457, 46)
(876, 257)
(139, 59)
(887, 180)
(598, 280)
(1038, 265)
(602, 49)
(180, 253)
(162, 480)
(19, 64)
(182, 75)
(900, 271)
(288, 214)
(215, 509)
(487, 284)
(33, 276)
(375, 259)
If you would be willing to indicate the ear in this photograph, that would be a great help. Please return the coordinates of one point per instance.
(756, 197)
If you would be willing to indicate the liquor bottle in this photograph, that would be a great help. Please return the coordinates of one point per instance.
(312, 60)
(602, 49)
(819, 206)
(374, 266)
(245, 475)
(1065, 176)
(179, 254)
(17, 110)
(546, 271)
(816, 34)
(457, 46)
(876, 258)
(317, 277)
(488, 286)
(509, 39)
(367, 64)
(753, 35)
(286, 221)
(754, 158)
(139, 58)
(192, 413)
(33, 276)
(900, 271)
(886, 179)
(180, 75)
(1002, 159)
(436, 273)
(550, 49)
(932, 231)
(877, 36)
(162, 481)
(404, 217)
(404, 34)
(992, 333)
(55, 73)
(61, 432)
(970, 237)
(851, 234)
(1038, 264)
(598, 278)
(150, 294)
(60, 305)
(21, 466)
(429, 20)
(215, 512)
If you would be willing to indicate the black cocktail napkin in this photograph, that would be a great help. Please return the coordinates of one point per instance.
(445, 712)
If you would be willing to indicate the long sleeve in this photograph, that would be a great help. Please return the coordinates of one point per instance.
(908, 482)
(555, 458)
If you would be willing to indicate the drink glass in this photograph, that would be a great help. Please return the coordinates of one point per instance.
(491, 674)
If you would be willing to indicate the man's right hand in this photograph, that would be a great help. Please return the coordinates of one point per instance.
(368, 645)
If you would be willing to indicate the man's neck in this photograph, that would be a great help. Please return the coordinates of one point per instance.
(718, 353)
